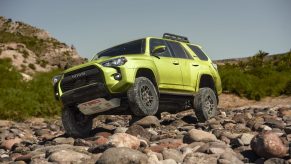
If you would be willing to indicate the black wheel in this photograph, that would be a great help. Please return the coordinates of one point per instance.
(75, 123)
(205, 104)
(143, 97)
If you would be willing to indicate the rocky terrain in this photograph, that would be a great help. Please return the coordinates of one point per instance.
(32, 49)
(253, 134)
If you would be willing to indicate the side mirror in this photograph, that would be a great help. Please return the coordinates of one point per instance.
(159, 49)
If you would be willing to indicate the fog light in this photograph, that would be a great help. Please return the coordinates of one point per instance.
(117, 76)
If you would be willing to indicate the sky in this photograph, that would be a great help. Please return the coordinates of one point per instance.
(224, 28)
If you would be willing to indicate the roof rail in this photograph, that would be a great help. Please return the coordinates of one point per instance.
(176, 37)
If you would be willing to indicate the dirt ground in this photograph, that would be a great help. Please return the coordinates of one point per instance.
(228, 101)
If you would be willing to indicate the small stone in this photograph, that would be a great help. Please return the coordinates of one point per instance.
(172, 154)
(275, 161)
(230, 157)
(120, 130)
(99, 148)
(139, 131)
(266, 128)
(101, 140)
(148, 121)
(246, 138)
(7, 144)
(124, 140)
(5, 123)
(168, 161)
(268, 145)
(122, 155)
(62, 140)
(200, 158)
(62, 156)
(288, 130)
(201, 136)
(41, 132)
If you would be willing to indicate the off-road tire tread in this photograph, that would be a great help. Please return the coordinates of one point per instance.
(70, 125)
(136, 106)
(198, 103)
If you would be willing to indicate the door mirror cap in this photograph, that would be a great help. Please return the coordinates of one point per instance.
(159, 49)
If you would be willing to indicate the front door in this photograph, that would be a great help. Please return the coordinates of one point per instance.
(168, 67)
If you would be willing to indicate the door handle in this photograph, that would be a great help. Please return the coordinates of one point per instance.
(175, 62)
(195, 65)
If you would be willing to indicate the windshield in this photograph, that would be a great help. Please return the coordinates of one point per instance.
(133, 47)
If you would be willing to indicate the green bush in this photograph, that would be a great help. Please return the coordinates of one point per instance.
(22, 99)
(257, 78)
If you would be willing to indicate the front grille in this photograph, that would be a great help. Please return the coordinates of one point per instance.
(81, 77)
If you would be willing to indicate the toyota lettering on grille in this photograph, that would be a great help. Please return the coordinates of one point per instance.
(78, 75)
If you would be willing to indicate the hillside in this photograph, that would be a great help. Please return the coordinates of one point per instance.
(34, 50)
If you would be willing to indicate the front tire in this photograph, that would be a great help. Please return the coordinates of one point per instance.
(205, 104)
(143, 97)
(75, 123)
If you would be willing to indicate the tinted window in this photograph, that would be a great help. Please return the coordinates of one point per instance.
(198, 52)
(159, 42)
(134, 47)
(178, 50)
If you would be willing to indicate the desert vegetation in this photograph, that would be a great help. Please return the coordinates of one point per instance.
(20, 99)
(259, 76)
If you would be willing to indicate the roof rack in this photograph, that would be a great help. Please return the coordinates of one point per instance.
(176, 37)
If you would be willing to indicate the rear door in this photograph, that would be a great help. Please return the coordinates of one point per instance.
(189, 67)
(168, 67)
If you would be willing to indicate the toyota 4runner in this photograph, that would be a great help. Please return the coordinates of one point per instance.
(142, 77)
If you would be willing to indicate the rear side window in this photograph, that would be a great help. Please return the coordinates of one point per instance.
(198, 52)
(178, 50)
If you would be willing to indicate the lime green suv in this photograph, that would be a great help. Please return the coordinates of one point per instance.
(142, 77)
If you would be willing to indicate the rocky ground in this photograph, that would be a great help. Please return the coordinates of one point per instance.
(237, 135)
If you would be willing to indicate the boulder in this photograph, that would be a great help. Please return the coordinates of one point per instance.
(268, 145)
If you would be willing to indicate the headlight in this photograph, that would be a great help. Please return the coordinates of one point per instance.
(56, 79)
(214, 66)
(115, 62)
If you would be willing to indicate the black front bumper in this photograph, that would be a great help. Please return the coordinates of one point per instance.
(86, 93)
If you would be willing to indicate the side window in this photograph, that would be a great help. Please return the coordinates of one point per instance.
(198, 52)
(178, 50)
(159, 42)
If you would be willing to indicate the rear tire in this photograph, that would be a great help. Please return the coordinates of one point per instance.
(205, 104)
(143, 97)
(75, 123)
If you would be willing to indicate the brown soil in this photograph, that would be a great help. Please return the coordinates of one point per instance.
(228, 101)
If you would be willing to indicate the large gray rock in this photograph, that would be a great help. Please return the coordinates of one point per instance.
(201, 136)
(62, 156)
(122, 155)
(268, 145)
